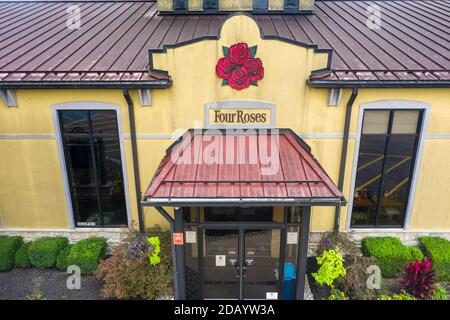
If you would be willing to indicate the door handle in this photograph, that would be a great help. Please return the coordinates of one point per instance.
(244, 270)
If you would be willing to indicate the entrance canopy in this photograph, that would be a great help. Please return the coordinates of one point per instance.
(254, 167)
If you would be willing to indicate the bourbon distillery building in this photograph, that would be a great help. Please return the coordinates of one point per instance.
(246, 127)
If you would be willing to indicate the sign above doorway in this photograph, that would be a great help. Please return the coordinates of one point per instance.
(239, 114)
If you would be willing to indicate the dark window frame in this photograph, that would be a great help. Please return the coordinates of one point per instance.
(91, 136)
(419, 127)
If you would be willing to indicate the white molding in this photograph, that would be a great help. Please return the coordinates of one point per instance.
(28, 136)
(89, 105)
(164, 136)
(391, 105)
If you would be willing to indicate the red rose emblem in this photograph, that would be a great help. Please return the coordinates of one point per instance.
(224, 67)
(239, 53)
(254, 69)
(239, 79)
(239, 68)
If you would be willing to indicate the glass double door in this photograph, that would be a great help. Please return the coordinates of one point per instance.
(241, 263)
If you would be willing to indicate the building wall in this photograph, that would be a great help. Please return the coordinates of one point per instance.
(32, 191)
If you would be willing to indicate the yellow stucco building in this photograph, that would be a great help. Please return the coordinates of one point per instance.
(87, 115)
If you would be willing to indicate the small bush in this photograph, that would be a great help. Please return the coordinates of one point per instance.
(398, 296)
(438, 249)
(61, 259)
(389, 253)
(337, 295)
(22, 260)
(416, 253)
(419, 279)
(128, 273)
(332, 240)
(439, 293)
(43, 252)
(8, 248)
(331, 267)
(354, 284)
(87, 254)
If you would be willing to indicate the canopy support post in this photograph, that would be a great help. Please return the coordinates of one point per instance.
(303, 252)
(179, 282)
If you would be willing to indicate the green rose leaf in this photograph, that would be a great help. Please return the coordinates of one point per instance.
(226, 51)
(253, 51)
(224, 82)
(253, 83)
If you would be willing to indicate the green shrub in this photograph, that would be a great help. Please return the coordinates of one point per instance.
(43, 252)
(403, 295)
(416, 253)
(61, 259)
(331, 267)
(87, 254)
(8, 248)
(438, 249)
(22, 260)
(439, 293)
(128, 273)
(389, 253)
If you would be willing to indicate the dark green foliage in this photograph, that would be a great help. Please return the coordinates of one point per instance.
(389, 253)
(8, 248)
(43, 252)
(61, 259)
(438, 249)
(87, 254)
(22, 260)
(128, 273)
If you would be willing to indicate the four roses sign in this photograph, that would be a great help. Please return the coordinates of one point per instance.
(239, 68)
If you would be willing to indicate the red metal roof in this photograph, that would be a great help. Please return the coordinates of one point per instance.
(211, 167)
(113, 42)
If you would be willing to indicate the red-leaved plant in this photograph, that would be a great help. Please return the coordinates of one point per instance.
(418, 279)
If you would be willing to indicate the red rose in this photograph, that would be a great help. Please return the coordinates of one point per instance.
(254, 68)
(239, 79)
(239, 53)
(224, 67)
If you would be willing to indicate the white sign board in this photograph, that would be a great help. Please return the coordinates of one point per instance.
(221, 260)
(292, 237)
(271, 295)
(191, 237)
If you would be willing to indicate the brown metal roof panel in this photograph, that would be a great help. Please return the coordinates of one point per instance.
(139, 45)
(428, 57)
(27, 40)
(37, 52)
(103, 43)
(296, 30)
(188, 30)
(78, 44)
(442, 75)
(412, 25)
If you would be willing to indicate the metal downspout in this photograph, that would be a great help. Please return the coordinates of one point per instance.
(348, 115)
(137, 180)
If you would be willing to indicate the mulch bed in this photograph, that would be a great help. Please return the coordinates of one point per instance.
(17, 284)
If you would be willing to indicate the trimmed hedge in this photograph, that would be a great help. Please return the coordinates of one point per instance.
(87, 254)
(61, 260)
(416, 253)
(438, 249)
(390, 254)
(22, 260)
(8, 248)
(43, 252)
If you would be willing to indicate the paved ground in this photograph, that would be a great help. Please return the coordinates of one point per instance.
(18, 283)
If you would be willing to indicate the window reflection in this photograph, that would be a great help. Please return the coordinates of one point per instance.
(385, 164)
(93, 160)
